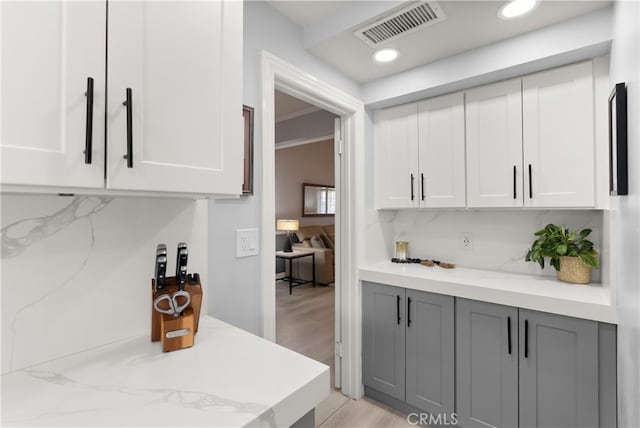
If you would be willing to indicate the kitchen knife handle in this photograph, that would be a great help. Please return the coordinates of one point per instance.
(515, 195)
(422, 185)
(398, 308)
(129, 104)
(88, 142)
(408, 311)
(412, 180)
(509, 335)
(526, 338)
(530, 184)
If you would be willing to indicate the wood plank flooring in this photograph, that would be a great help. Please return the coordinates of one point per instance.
(305, 324)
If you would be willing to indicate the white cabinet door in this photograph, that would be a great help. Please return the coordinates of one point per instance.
(441, 151)
(494, 145)
(49, 51)
(396, 154)
(183, 64)
(558, 137)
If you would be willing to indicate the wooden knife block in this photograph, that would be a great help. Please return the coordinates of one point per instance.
(161, 324)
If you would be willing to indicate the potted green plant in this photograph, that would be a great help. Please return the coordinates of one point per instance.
(570, 253)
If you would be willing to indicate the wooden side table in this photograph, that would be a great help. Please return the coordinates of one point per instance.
(294, 282)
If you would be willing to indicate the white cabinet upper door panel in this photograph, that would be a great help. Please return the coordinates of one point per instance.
(396, 154)
(50, 51)
(558, 137)
(183, 64)
(494, 145)
(441, 151)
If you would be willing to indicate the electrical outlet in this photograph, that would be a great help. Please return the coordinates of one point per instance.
(246, 242)
(466, 240)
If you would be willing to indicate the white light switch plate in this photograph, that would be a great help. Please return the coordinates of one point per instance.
(246, 242)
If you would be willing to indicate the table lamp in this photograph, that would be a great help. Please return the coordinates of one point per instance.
(288, 226)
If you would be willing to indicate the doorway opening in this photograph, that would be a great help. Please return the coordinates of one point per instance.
(349, 147)
(306, 184)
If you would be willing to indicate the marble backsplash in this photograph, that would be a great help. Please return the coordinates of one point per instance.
(76, 270)
(501, 238)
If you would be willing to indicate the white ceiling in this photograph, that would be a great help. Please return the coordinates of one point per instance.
(288, 107)
(328, 30)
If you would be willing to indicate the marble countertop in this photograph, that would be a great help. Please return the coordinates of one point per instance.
(525, 291)
(230, 378)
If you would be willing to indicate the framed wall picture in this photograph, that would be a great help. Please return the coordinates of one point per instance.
(247, 183)
(618, 172)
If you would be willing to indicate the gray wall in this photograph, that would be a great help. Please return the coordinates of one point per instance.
(234, 284)
(625, 68)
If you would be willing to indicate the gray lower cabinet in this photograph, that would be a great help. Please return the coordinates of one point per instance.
(383, 339)
(487, 364)
(493, 365)
(430, 352)
(558, 371)
(409, 346)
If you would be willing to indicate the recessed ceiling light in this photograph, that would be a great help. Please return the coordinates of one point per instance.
(516, 8)
(385, 55)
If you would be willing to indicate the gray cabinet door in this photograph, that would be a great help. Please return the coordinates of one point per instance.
(486, 364)
(383, 313)
(558, 371)
(430, 352)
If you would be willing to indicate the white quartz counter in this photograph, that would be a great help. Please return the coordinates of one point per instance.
(230, 378)
(525, 291)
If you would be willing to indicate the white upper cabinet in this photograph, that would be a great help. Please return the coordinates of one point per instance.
(396, 154)
(494, 145)
(558, 137)
(441, 151)
(181, 63)
(525, 142)
(52, 52)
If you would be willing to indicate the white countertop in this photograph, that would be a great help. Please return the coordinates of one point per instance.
(525, 291)
(230, 378)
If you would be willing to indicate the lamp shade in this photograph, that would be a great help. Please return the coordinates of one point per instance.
(289, 225)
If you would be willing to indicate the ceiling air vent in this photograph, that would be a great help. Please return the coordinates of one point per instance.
(404, 21)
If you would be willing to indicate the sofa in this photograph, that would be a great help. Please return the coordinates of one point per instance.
(321, 240)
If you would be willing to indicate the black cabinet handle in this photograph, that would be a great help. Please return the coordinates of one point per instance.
(398, 308)
(422, 185)
(509, 334)
(88, 142)
(514, 183)
(412, 180)
(129, 103)
(530, 186)
(408, 311)
(526, 339)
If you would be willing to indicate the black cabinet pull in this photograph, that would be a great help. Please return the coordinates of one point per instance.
(398, 308)
(515, 196)
(422, 185)
(408, 311)
(412, 180)
(88, 142)
(509, 334)
(530, 186)
(526, 339)
(129, 104)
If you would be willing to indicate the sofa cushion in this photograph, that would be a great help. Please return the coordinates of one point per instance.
(306, 232)
(328, 243)
(330, 229)
(317, 242)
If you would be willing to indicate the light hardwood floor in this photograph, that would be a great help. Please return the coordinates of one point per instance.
(305, 324)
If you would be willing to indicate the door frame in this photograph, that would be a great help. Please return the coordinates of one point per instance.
(278, 74)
